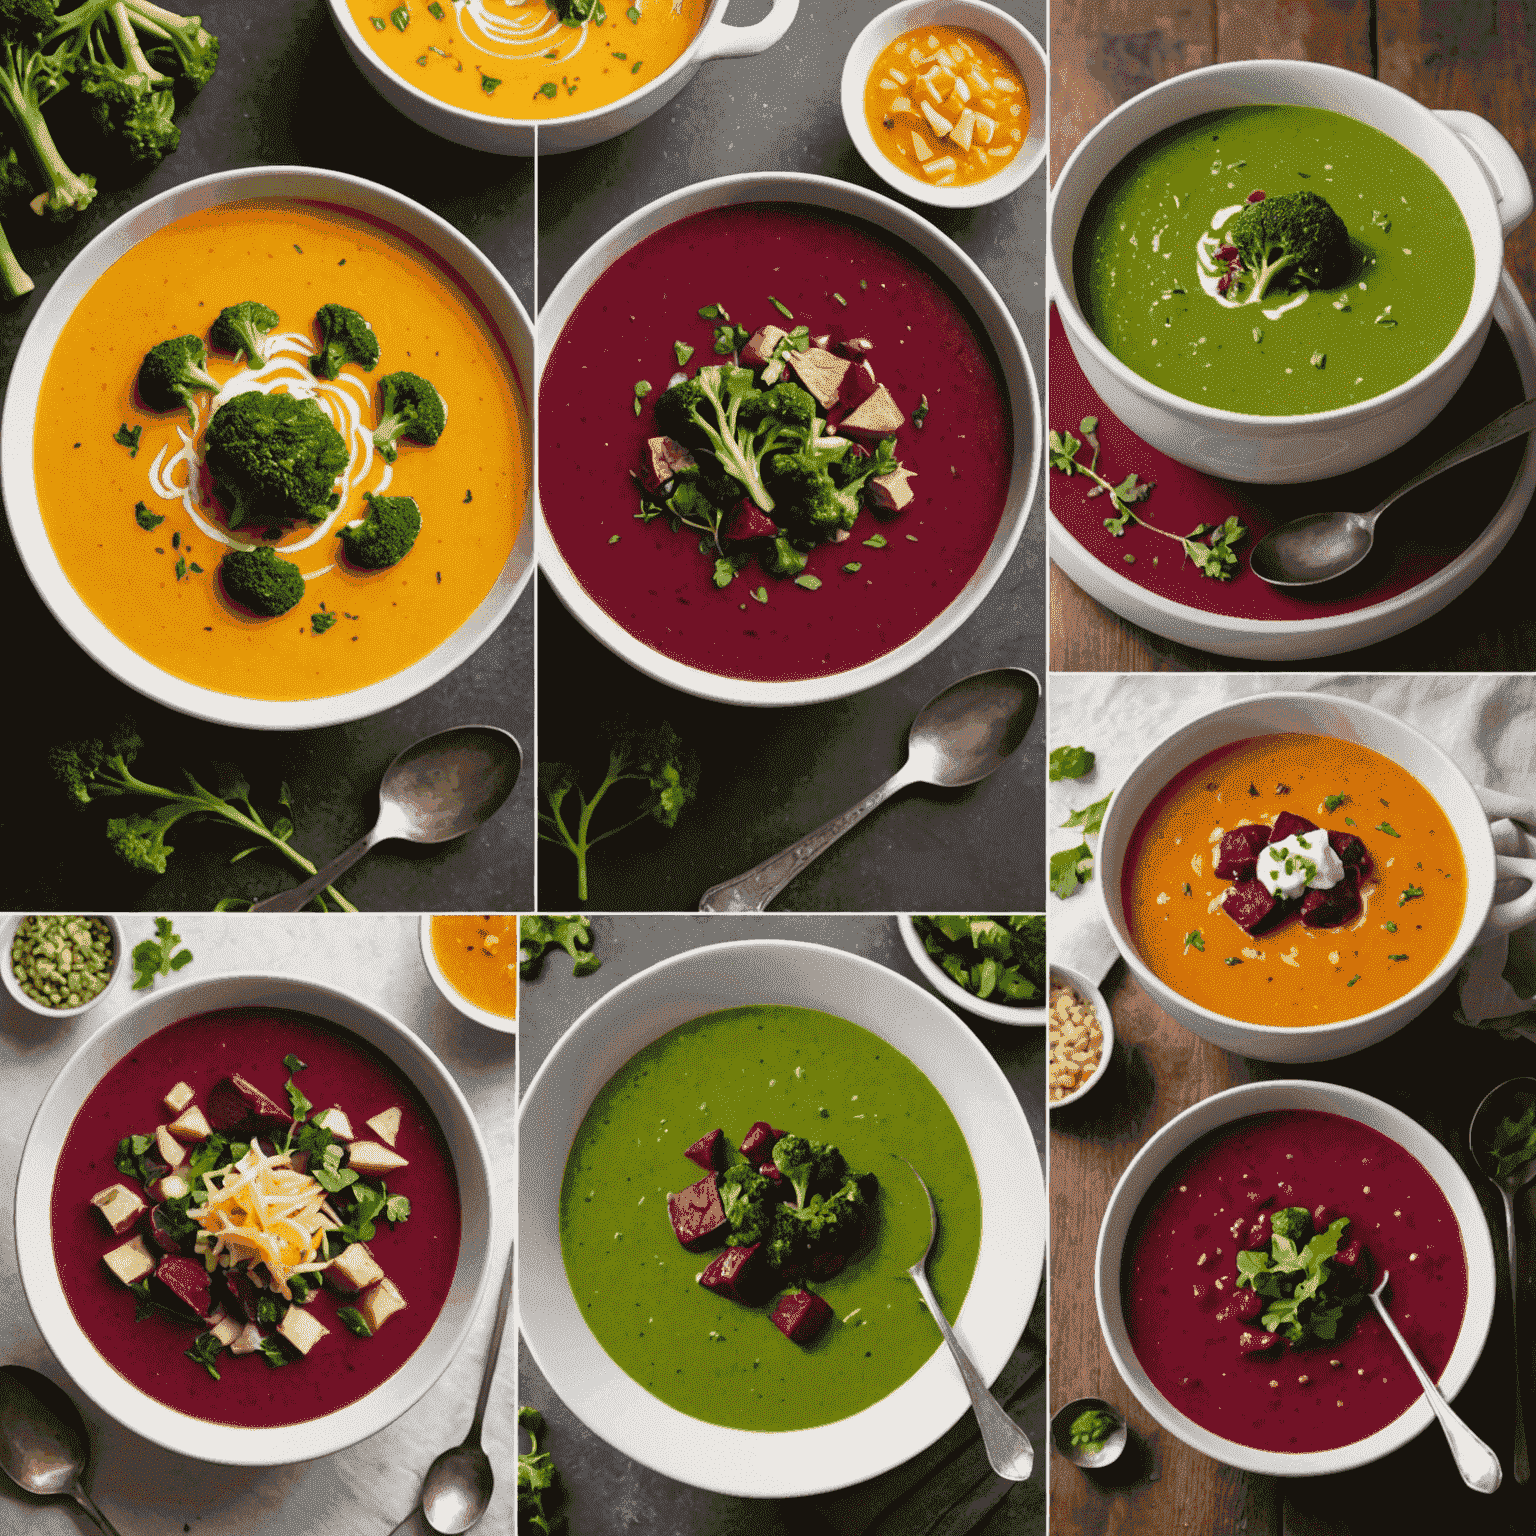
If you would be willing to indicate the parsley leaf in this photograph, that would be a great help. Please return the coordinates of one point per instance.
(1070, 763)
(1090, 818)
(301, 1105)
(205, 1350)
(330, 1175)
(1070, 868)
(1413, 893)
(1194, 939)
(129, 438)
(1333, 802)
(1382, 826)
(158, 956)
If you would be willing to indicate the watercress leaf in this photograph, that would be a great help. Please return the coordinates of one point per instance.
(1070, 763)
(1090, 818)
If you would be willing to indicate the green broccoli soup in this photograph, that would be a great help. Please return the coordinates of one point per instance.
(736, 1220)
(1275, 260)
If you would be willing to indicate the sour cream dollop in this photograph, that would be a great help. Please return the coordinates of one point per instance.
(1295, 864)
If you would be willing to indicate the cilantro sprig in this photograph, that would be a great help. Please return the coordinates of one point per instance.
(158, 956)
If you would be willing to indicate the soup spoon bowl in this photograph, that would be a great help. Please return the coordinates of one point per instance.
(43, 1444)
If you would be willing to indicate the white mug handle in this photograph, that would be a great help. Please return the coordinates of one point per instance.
(727, 42)
(1499, 163)
(1519, 910)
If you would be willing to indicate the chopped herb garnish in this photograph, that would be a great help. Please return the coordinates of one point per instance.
(761, 594)
(614, 539)
(1187, 890)
(146, 519)
(434, 9)
(1070, 763)
(810, 583)
(683, 352)
(181, 569)
(1391, 927)
(633, 13)
(1194, 939)
(1397, 957)
(320, 622)
(642, 389)
(1333, 802)
(1413, 893)
(1232, 960)
(397, 1208)
(1352, 980)
(1382, 826)
(401, 16)
(488, 84)
(636, 69)
(293, 1063)
(725, 571)
(378, 23)
(920, 413)
(853, 567)
(549, 88)
(783, 309)
(1090, 818)
(877, 542)
(353, 1319)
(205, 1350)
(272, 1352)
(840, 299)
(713, 312)
(301, 1105)
(330, 1175)
(129, 438)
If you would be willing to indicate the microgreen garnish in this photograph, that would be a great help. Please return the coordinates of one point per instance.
(878, 541)
(783, 309)
(158, 956)
(810, 583)
(920, 413)
(205, 1350)
(322, 621)
(1412, 893)
(1352, 980)
(853, 567)
(488, 84)
(130, 1157)
(1333, 802)
(129, 438)
(1514, 1142)
(549, 88)
(401, 16)
(272, 1352)
(293, 1063)
(330, 1175)
(301, 1105)
(1232, 960)
(642, 389)
(1069, 763)
(1194, 939)
(840, 299)
(397, 1208)
(353, 1319)
(1187, 890)
(146, 519)
(1306, 1296)
(1397, 957)
(682, 351)
(1382, 826)
(761, 594)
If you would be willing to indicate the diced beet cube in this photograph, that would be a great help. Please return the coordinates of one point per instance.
(1354, 1258)
(1331, 908)
(1353, 854)
(757, 1145)
(187, 1281)
(740, 1274)
(235, 1104)
(1253, 909)
(1247, 1305)
(708, 1151)
(825, 1265)
(801, 1316)
(748, 522)
(770, 1171)
(1254, 1341)
(1290, 825)
(1237, 857)
(697, 1215)
(155, 1231)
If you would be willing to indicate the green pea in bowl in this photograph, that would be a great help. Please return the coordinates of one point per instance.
(39, 966)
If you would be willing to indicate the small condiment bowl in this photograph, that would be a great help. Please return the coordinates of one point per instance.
(956, 995)
(1061, 1434)
(1089, 993)
(13, 987)
(997, 27)
(497, 1021)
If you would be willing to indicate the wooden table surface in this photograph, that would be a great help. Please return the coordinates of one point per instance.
(1478, 58)
(1435, 1070)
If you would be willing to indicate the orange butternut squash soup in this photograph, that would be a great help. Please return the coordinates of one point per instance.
(477, 954)
(144, 548)
(528, 60)
(1293, 880)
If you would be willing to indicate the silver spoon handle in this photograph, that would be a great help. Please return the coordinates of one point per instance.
(1478, 1466)
(490, 1360)
(1515, 422)
(1522, 1456)
(83, 1499)
(1007, 1446)
(753, 891)
(301, 895)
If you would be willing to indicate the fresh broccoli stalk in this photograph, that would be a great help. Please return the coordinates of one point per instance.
(243, 328)
(745, 1199)
(195, 48)
(820, 487)
(385, 536)
(14, 188)
(179, 43)
(259, 580)
(704, 412)
(175, 371)
(274, 459)
(808, 1165)
(1295, 236)
(93, 770)
(409, 406)
(29, 80)
(345, 337)
(654, 757)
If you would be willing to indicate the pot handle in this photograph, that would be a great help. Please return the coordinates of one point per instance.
(1506, 176)
(1519, 910)
(727, 42)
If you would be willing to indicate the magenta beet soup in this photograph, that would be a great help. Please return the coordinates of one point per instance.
(255, 1217)
(1247, 1276)
(838, 488)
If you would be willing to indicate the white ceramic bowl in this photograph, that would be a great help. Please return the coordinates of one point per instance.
(956, 995)
(13, 987)
(504, 313)
(1236, 1104)
(1089, 993)
(715, 39)
(1321, 715)
(496, 1021)
(1470, 156)
(228, 1444)
(1008, 1270)
(1015, 41)
(993, 320)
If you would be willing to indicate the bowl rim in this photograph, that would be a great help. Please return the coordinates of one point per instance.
(671, 1442)
(1086, 990)
(980, 17)
(451, 994)
(999, 328)
(358, 197)
(1081, 334)
(129, 1405)
(1244, 1100)
(8, 927)
(956, 995)
(1428, 988)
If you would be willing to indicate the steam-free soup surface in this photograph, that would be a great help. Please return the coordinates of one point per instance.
(477, 954)
(801, 1071)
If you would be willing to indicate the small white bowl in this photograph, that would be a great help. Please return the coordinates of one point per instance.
(1237, 1104)
(956, 995)
(998, 27)
(497, 1021)
(1089, 993)
(8, 934)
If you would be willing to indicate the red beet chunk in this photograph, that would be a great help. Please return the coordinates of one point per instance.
(1353, 854)
(155, 1230)
(1355, 1259)
(1237, 857)
(801, 1316)
(697, 1216)
(235, 1104)
(740, 1274)
(1288, 825)
(708, 1151)
(1253, 909)
(187, 1281)
(770, 1171)
(244, 1294)
(757, 1144)
(1332, 908)
(1254, 1341)
(747, 522)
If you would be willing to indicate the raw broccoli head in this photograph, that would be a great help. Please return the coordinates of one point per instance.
(173, 372)
(744, 1197)
(241, 328)
(805, 497)
(185, 39)
(385, 537)
(409, 406)
(787, 409)
(139, 841)
(274, 459)
(90, 769)
(1296, 236)
(837, 1222)
(261, 581)
(808, 1165)
(139, 121)
(345, 337)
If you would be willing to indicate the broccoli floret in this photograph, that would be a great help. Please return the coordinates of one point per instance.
(29, 79)
(787, 410)
(142, 30)
(131, 103)
(173, 372)
(274, 459)
(704, 412)
(385, 537)
(258, 579)
(409, 406)
(1296, 236)
(242, 328)
(808, 1165)
(835, 1224)
(195, 49)
(345, 337)
(744, 1197)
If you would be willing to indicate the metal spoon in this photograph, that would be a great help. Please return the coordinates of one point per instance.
(439, 789)
(43, 1443)
(1109, 1451)
(1007, 1446)
(1509, 1099)
(458, 1484)
(1323, 545)
(1478, 1466)
(958, 738)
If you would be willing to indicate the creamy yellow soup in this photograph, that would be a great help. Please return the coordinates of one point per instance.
(522, 61)
(157, 588)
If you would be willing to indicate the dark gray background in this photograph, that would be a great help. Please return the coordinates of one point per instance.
(949, 1489)
(285, 92)
(770, 776)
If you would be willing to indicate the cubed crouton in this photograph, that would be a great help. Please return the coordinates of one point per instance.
(130, 1263)
(171, 1187)
(879, 416)
(901, 104)
(920, 146)
(380, 1304)
(191, 1125)
(119, 1207)
(302, 1329)
(224, 1328)
(386, 1124)
(986, 128)
(821, 372)
(354, 1269)
(965, 128)
(957, 98)
(660, 461)
(890, 493)
(940, 124)
(370, 1157)
(170, 1150)
(335, 1121)
(178, 1098)
(760, 348)
(249, 1340)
